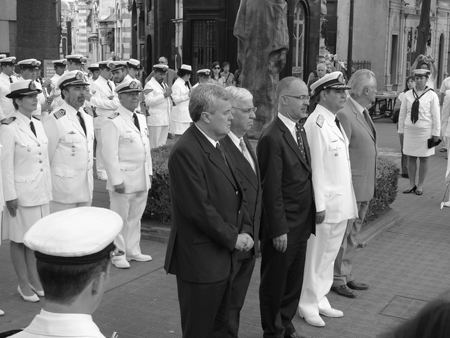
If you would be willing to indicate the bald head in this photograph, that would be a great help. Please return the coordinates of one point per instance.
(292, 97)
(321, 69)
(288, 85)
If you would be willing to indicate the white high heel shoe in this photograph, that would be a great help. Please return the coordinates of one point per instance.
(34, 298)
(39, 293)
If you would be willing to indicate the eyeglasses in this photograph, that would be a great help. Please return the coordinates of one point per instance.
(247, 111)
(301, 97)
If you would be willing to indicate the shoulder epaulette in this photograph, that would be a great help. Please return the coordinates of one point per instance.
(320, 120)
(8, 120)
(113, 116)
(60, 113)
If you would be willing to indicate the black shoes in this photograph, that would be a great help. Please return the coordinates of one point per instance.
(343, 290)
(409, 191)
(357, 286)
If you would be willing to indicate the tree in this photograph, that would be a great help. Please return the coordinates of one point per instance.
(423, 29)
(37, 30)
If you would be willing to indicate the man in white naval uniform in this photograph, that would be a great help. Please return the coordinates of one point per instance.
(105, 102)
(134, 69)
(334, 196)
(119, 71)
(159, 104)
(126, 152)
(74, 269)
(60, 68)
(70, 133)
(6, 78)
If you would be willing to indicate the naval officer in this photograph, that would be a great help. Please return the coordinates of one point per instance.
(70, 135)
(333, 195)
(7, 77)
(105, 102)
(126, 154)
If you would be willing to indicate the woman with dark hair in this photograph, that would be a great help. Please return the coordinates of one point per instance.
(26, 182)
(418, 125)
(410, 84)
(227, 77)
(180, 119)
(215, 74)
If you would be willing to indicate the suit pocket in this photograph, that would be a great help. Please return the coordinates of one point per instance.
(64, 173)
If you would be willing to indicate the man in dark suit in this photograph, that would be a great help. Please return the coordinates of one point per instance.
(362, 135)
(288, 209)
(238, 148)
(210, 222)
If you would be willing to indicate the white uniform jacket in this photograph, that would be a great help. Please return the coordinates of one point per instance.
(126, 152)
(6, 105)
(104, 107)
(59, 325)
(56, 92)
(330, 164)
(25, 164)
(70, 153)
(180, 94)
(158, 106)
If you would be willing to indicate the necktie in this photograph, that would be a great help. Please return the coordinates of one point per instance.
(367, 118)
(246, 153)
(415, 106)
(109, 85)
(80, 119)
(32, 128)
(336, 120)
(10, 80)
(301, 146)
(136, 121)
(187, 84)
(220, 150)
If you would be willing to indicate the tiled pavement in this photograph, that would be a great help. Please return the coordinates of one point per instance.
(406, 266)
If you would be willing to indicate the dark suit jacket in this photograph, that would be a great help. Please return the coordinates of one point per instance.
(251, 183)
(288, 198)
(362, 147)
(208, 211)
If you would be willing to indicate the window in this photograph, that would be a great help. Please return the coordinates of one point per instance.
(298, 39)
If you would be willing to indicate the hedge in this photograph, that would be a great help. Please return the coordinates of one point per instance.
(159, 206)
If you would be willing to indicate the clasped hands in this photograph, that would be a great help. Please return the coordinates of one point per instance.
(244, 242)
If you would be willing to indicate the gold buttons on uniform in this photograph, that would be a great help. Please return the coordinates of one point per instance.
(40, 161)
(336, 154)
(29, 149)
(42, 169)
(73, 150)
(39, 145)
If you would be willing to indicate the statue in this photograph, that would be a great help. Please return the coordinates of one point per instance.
(263, 42)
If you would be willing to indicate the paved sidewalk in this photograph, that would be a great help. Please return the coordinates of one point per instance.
(406, 266)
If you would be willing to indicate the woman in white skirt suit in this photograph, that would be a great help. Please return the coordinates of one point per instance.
(417, 129)
(180, 120)
(26, 182)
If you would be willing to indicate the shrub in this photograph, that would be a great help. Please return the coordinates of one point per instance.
(387, 183)
(158, 203)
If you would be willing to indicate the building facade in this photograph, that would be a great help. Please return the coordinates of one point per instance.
(8, 30)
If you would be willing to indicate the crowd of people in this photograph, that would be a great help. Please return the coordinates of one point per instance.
(298, 201)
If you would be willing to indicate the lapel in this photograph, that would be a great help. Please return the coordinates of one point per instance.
(26, 128)
(360, 118)
(75, 123)
(291, 142)
(242, 163)
(129, 121)
(253, 155)
(156, 86)
(214, 156)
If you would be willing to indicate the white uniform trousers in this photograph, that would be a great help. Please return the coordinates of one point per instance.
(321, 252)
(131, 208)
(158, 136)
(56, 206)
(101, 171)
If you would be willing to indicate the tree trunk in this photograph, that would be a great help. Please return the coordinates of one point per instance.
(424, 29)
(37, 31)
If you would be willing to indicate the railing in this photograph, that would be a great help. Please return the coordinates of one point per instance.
(356, 64)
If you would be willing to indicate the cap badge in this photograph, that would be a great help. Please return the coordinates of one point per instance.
(111, 65)
(32, 86)
(13, 60)
(33, 63)
(341, 79)
(79, 76)
(133, 85)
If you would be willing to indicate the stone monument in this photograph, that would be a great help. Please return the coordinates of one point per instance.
(263, 42)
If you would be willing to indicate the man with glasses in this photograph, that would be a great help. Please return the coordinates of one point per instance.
(238, 147)
(289, 212)
(333, 196)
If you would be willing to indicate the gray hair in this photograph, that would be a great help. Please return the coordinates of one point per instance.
(238, 94)
(360, 80)
(203, 98)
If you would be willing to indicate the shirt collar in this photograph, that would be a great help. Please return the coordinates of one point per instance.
(213, 142)
(236, 140)
(357, 105)
(63, 324)
(288, 122)
(124, 111)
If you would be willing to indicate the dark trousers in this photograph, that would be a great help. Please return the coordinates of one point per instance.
(240, 281)
(281, 285)
(204, 308)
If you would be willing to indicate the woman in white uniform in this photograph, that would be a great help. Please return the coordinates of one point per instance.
(419, 120)
(26, 182)
(180, 120)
